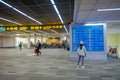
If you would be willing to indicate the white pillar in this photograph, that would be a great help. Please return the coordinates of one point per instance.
(41, 38)
(28, 40)
(35, 39)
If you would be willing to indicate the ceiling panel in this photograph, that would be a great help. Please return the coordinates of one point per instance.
(85, 8)
(88, 11)
(65, 8)
(87, 2)
(115, 4)
(94, 14)
(100, 4)
(43, 2)
(41, 10)
(83, 13)
(28, 2)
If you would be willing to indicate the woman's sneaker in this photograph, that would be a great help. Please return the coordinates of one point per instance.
(83, 67)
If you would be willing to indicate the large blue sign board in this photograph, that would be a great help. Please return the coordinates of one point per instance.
(93, 37)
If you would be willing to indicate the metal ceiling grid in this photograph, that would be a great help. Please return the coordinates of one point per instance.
(14, 16)
(66, 9)
(42, 10)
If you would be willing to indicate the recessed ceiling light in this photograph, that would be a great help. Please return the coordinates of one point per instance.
(65, 28)
(112, 9)
(94, 24)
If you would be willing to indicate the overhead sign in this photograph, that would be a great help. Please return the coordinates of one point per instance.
(93, 37)
(2, 28)
(22, 28)
(52, 27)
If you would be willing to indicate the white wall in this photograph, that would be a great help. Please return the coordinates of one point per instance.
(1, 42)
(7, 42)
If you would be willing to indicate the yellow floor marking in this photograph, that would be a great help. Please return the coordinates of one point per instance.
(30, 54)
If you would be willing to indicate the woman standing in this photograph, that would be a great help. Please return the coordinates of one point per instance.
(81, 53)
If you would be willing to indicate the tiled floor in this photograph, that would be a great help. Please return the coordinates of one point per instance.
(53, 64)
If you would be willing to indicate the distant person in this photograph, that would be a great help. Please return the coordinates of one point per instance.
(81, 53)
(38, 45)
(20, 45)
(31, 44)
(63, 45)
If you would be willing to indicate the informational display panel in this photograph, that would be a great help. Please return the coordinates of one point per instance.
(93, 37)
(37, 27)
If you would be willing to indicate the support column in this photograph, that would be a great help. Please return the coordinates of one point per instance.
(15, 42)
(41, 38)
(60, 38)
(35, 39)
(28, 40)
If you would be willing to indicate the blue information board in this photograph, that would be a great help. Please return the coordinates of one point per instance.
(93, 37)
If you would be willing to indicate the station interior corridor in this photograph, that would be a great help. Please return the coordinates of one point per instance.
(53, 64)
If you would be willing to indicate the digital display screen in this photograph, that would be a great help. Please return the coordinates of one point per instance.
(92, 36)
(22, 28)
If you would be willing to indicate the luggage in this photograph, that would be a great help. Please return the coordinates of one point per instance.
(35, 50)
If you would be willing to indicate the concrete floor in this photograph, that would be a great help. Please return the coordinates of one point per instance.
(53, 64)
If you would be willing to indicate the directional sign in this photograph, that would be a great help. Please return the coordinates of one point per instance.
(37, 27)
(2, 28)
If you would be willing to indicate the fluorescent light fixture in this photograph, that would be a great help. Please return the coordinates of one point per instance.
(20, 12)
(112, 9)
(6, 3)
(93, 24)
(52, 1)
(54, 31)
(65, 28)
(1, 25)
(61, 19)
(10, 21)
(55, 7)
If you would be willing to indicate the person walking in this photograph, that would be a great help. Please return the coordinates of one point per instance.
(38, 45)
(20, 45)
(81, 53)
